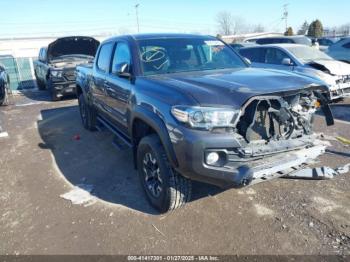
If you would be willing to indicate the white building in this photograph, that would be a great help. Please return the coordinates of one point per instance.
(28, 47)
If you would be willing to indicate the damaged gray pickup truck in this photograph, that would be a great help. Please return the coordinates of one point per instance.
(55, 68)
(192, 109)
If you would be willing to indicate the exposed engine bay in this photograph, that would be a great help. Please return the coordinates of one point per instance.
(274, 118)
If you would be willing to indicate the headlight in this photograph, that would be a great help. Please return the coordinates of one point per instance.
(206, 117)
(56, 73)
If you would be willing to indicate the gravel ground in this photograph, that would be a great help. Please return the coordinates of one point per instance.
(48, 154)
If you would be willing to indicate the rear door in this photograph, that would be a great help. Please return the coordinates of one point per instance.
(101, 71)
(118, 88)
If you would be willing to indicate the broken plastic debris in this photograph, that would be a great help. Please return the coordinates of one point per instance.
(79, 195)
(343, 169)
(319, 173)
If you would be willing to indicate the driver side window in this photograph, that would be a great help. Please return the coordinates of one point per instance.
(275, 56)
(121, 56)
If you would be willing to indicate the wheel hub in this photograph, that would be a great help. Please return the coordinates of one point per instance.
(154, 183)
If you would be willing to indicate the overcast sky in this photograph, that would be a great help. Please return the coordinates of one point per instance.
(64, 17)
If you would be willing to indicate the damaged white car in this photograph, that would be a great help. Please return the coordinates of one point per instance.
(303, 60)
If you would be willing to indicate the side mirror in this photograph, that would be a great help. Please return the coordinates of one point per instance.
(247, 61)
(287, 62)
(122, 70)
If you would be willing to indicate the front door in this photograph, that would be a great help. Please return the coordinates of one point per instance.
(118, 88)
(274, 58)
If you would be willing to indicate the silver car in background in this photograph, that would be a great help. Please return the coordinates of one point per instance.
(303, 60)
(340, 50)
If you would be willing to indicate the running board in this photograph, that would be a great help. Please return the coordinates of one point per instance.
(120, 141)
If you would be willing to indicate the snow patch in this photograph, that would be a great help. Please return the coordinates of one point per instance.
(80, 195)
(324, 205)
(248, 191)
(4, 134)
(29, 104)
(263, 211)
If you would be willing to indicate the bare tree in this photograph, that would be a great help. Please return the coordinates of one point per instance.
(225, 23)
(229, 24)
(258, 28)
(239, 25)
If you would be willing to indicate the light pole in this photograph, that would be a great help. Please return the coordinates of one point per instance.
(137, 17)
(285, 15)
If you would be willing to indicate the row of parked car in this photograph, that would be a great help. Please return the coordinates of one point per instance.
(55, 68)
(338, 48)
(295, 54)
(191, 108)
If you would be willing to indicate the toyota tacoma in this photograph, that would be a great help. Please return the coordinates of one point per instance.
(192, 109)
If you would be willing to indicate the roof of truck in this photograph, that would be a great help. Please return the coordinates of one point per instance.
(159, 35)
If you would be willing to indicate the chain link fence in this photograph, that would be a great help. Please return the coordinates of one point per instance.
(20, 70)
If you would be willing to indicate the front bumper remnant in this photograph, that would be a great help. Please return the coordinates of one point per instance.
(319, 173)
(287, 164)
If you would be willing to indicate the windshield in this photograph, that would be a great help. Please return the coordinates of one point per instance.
(172, 55)
(308, 54)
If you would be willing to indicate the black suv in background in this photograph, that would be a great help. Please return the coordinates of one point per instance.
(55, 68)
(190, 109)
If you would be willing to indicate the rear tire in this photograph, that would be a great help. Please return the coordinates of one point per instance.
(87, 114)
(165, 188)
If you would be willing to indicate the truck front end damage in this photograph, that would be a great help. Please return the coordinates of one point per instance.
(273, 138)
(278, 135)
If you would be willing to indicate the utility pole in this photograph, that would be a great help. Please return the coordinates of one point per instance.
(285, 15)
(137, 17)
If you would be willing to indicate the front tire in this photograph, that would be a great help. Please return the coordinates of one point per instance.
(39, 83)
(4, 101)
(53, 92)
(165, 188)
(87, 114)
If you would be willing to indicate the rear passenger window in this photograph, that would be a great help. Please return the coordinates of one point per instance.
(255, 55)
(347, 45)
(104, 57)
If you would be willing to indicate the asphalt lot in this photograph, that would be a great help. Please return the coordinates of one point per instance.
(48, 153)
